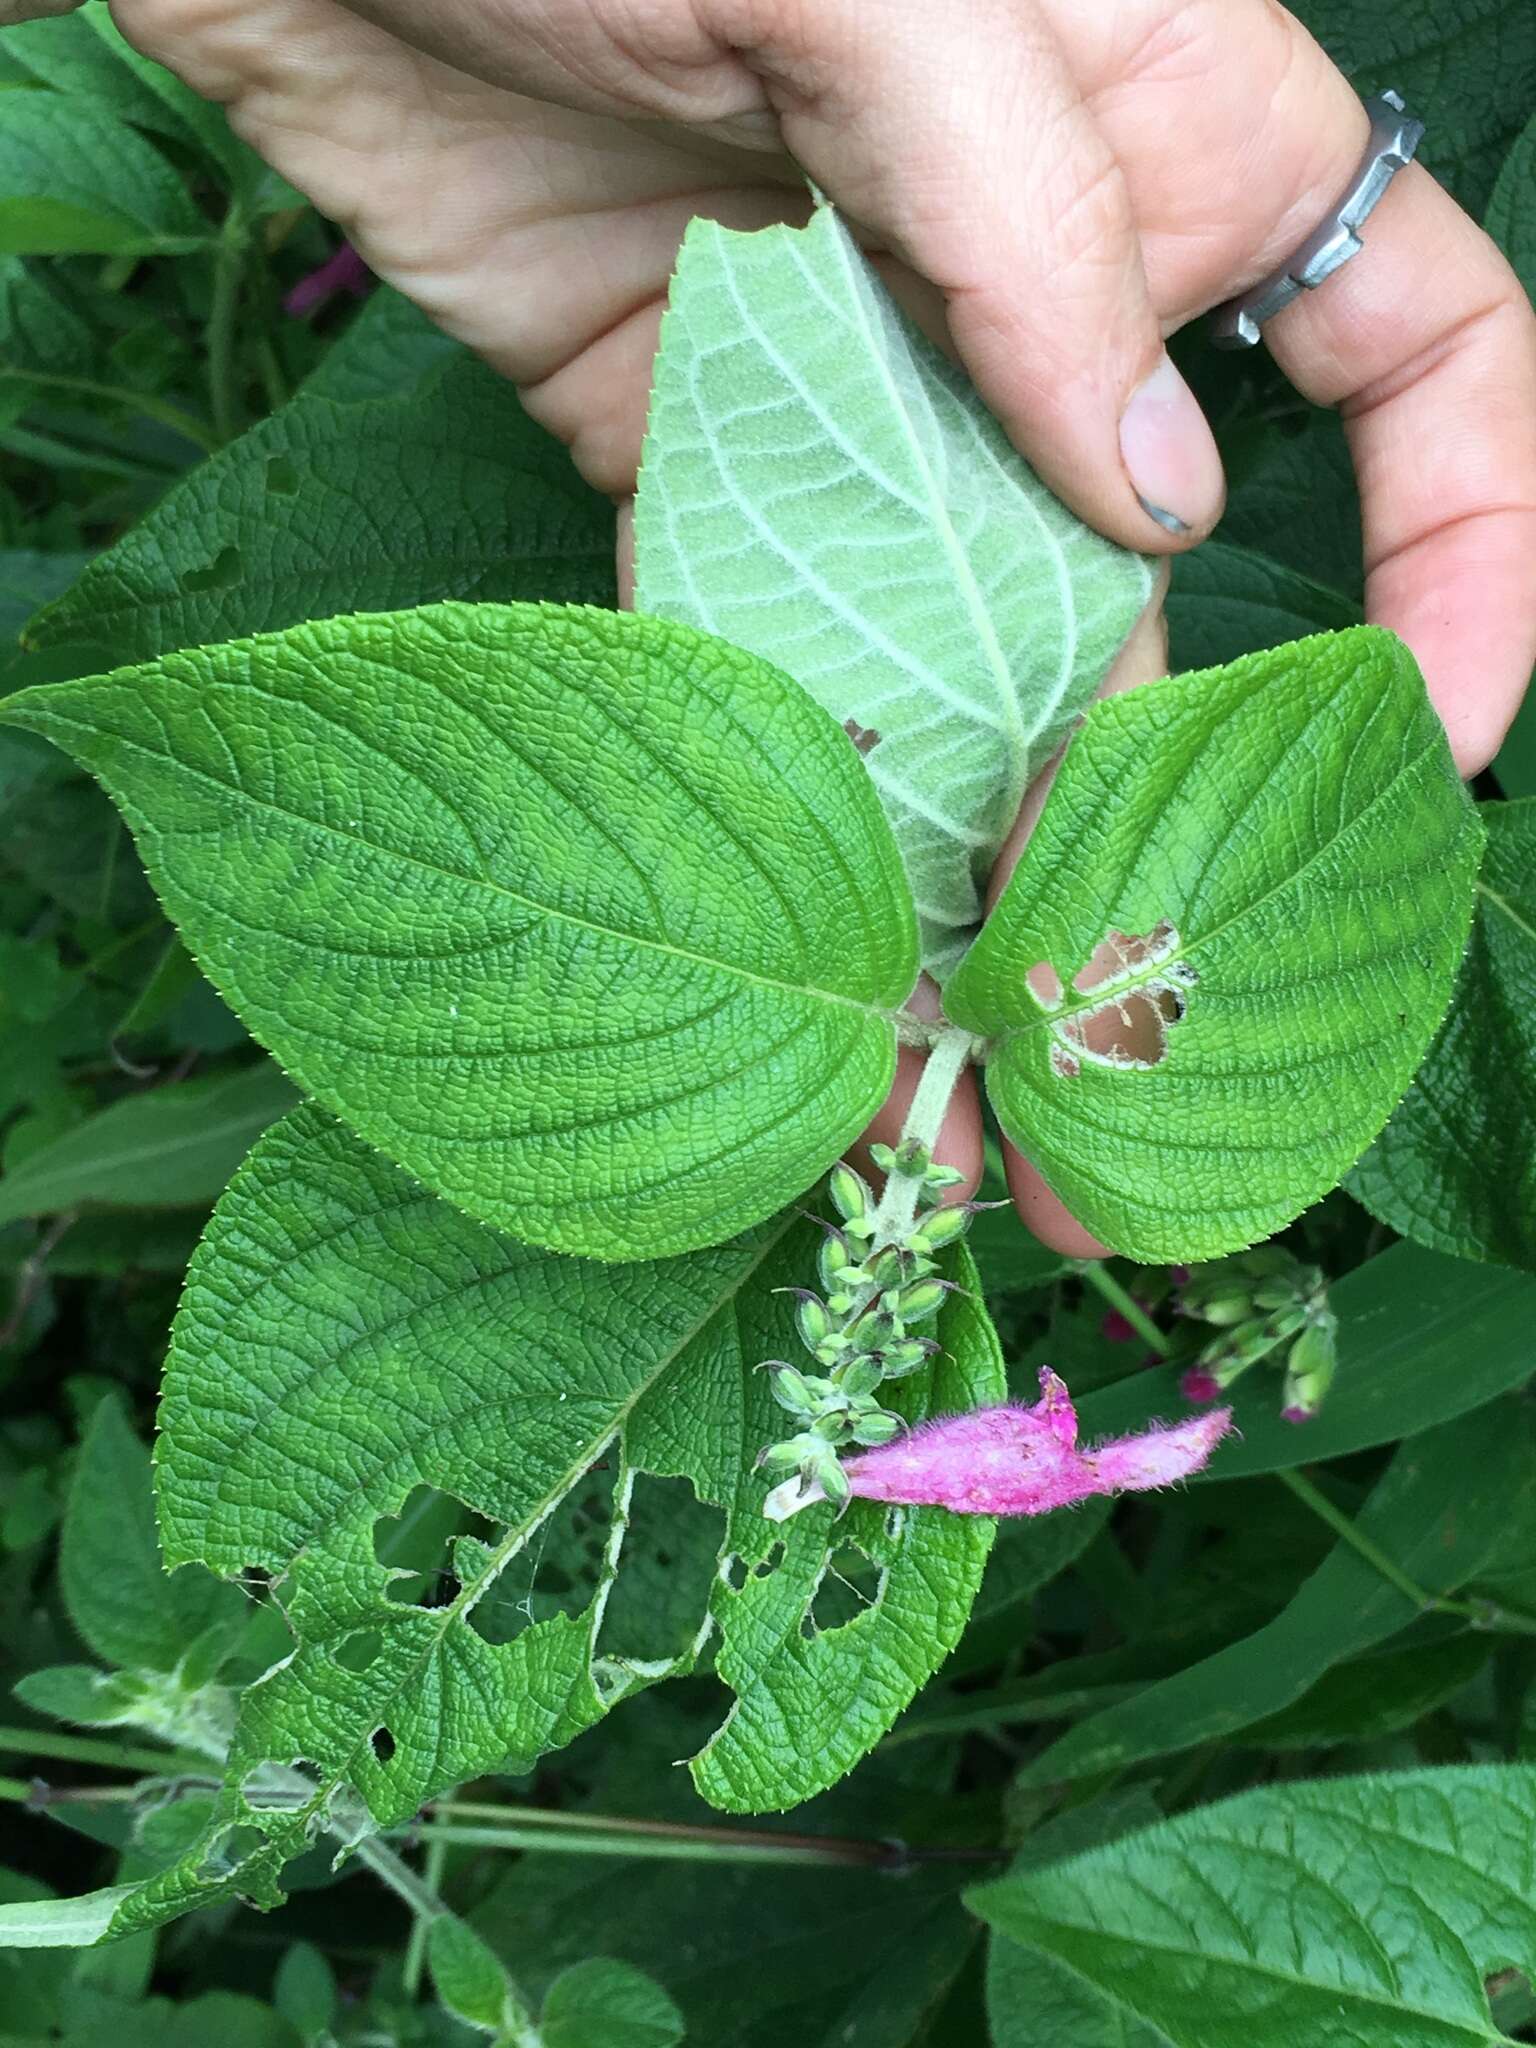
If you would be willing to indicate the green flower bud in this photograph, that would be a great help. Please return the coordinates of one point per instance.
(832, 1478)
(812, 1320)
(920, 1300)
(1310, 1368)
(906, 1356)
(835, 1258)
(850, 1192)
(880, 1427)
(860, 1376)
(912, 1159)
(940, 1227)
(940, 1177)
(790, 1389)
(883, 1157)
(789, 1456)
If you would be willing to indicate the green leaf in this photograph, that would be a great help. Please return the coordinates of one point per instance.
(1226, 601)
(61, 1923)
(1421, 1515)
(606, 2004)
(1361, 1910)
(820, 485)
(813, 1696)
(172, 1146)
(446, 489)
(40, 330)
(1376, 1695)
(74, 181)
(548, 904)
(1277, 858)
(468, 1977)
(1295, 501)
(1512, 209)
(1422, 1339)
(1455, 1168)
(81, 1693)
(120, 1597)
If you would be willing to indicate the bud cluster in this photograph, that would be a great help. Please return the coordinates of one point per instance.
(1262, 1304)
(879, 1282)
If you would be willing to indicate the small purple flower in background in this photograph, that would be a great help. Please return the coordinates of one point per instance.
(1200, 1385)
(344, 272)
(1114, 1326)
(1016, 1461)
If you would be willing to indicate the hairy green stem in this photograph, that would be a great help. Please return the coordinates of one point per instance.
(416, 1948)
(1099, 1277)
(925, 1118)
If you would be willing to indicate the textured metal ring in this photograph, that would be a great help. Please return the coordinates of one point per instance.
(1395, 136)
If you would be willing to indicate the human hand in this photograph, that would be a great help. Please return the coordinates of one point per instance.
(1069, 184)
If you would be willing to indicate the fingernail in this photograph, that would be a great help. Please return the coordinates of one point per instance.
(1170, 454)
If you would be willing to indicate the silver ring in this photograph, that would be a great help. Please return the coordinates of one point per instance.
(1395, 136)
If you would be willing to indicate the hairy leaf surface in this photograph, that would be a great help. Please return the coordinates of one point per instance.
(1456, 1166)
(592, 922)
(346, 1339)
(1280, 857)
(1361, 1910)
(822, 486)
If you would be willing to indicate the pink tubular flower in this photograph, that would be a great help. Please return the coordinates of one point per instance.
(1018, 1461)
(344, 272)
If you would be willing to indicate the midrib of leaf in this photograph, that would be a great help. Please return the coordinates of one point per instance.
(932, 683)
(488, 882)
(517, 1537)
(1503, 903)
(1209, 1956)
(959, 561)
(1141, 976)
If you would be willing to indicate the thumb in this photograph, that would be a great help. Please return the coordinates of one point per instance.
(958, 136)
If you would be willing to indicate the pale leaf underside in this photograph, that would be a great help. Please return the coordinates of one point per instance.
(821, 485)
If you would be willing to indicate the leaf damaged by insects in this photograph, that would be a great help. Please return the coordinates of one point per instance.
(1139, 986)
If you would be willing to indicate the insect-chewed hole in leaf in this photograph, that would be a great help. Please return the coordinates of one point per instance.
(283, 479)
(849, 1585)
(733, 1570)
(357, 1651)
(382, 1743)
(228, 1849)
(767, 1566)
(1142, 989)
(267, 1788)
(557, 1572)
(416, 1545)
(864, 737)
(222, 573)
(666, 1566)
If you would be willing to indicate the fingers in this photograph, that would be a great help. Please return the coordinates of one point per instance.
(957, 136)
(1427, 343)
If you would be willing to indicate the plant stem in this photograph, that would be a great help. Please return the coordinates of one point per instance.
(420, 1895)
(146, 402)
(925, 1117)
(228, 274)
(113, 1756)
(581, 1834)
(1099, 1277)
(416, 1947)
(1482, 1614)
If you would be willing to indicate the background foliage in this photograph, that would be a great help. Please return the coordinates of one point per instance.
(1142, 1767)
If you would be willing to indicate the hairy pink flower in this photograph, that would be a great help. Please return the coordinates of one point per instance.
(1025, 1461)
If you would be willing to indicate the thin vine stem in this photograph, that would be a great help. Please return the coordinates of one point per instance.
(187, 424)
(229, 259)
(1104, 1283)
(1482, 1614)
